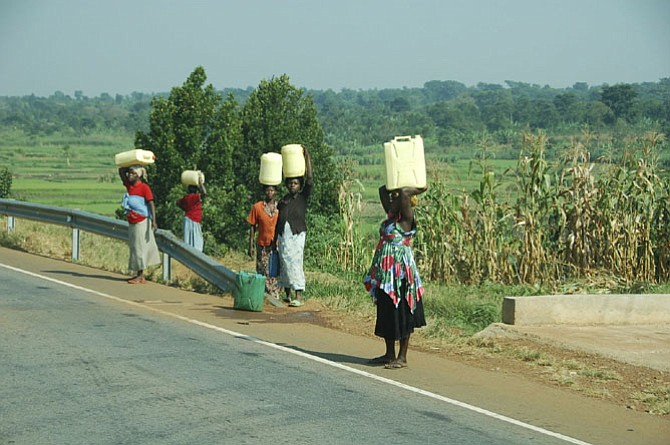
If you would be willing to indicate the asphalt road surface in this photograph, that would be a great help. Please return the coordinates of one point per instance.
(79, 367)
(72, 371)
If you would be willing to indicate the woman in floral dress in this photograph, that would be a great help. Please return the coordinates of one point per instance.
(393, 279)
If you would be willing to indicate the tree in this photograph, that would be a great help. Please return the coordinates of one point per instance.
(400, 105)
(194, 129)
(437, 90)
(496, 107)
(544, 114)
(277, 114)
(621, 100)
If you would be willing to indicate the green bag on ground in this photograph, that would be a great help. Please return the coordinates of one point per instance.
(249, 291)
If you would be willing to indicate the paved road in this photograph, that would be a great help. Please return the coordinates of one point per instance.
(82, 369)
(167, 366)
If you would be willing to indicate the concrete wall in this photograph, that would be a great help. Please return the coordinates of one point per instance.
(587, 309)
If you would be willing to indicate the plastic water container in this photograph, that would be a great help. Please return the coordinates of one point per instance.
(271, 169)
(134, 157)
(405, 162)
(293, 161)
(192, 177)
(249, 291)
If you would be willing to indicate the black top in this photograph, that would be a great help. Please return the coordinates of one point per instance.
(294, 210)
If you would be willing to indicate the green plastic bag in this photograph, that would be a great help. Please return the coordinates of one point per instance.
(249, 291)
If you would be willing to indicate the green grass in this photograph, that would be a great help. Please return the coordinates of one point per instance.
(82, 176)
(95, 197)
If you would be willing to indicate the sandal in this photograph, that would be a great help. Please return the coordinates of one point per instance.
(137, 280)
(295, 303)
(395, 364)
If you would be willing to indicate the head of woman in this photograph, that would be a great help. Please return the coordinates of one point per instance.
(395, 200)
(269, 192)
(294, 185)
(136, 173)
(192, 189)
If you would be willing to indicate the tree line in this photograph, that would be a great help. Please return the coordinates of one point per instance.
(448, 112)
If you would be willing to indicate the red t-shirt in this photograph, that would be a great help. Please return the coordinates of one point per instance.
(138, 189)
(266, 223)
(192, 205)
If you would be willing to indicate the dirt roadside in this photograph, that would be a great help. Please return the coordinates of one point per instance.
(580, 394)
(547, 355)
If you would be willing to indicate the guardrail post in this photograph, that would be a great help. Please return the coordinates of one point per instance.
(11, 224)
(167, 267)
(76, 237)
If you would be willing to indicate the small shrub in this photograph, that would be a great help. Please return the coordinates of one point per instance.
(5, 182)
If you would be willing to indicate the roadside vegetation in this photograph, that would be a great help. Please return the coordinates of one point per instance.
(531, 190)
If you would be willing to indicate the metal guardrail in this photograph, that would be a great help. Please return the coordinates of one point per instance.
(168, 243)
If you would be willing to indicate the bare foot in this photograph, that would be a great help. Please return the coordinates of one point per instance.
(395, 364)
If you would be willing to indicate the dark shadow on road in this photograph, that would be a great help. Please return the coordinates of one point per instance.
(337, 358)
(84, 275)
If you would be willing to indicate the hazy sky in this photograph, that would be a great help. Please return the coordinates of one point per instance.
(121, 46)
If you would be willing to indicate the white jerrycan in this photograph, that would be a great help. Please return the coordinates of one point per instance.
(405, 162)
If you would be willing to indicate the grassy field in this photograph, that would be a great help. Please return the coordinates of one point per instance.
(67, 171)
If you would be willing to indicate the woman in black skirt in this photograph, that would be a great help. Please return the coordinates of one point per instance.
(393, 279)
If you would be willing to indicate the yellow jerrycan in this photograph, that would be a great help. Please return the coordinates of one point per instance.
(271, 169)
(405, 162)
(192, 177)
(137, 156)
(293, 161)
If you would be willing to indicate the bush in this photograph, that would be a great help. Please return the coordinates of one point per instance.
(5, 182)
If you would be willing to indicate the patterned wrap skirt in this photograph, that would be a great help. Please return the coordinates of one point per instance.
(263, 268)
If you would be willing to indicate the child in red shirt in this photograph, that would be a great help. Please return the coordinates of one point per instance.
(191, 204)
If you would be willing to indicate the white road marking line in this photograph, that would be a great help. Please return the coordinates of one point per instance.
(314, 358)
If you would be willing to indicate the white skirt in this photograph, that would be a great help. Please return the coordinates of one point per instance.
(143, 248)
(291, 252)
(192, 233)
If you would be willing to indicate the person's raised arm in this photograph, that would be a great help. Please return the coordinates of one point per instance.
(201, 186)
(308, 165)
(123, 173)
(385, 198)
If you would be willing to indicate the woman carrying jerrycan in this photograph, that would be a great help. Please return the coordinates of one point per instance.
(138, 204)
(393, 278)
(291, 227)
(191, 204)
